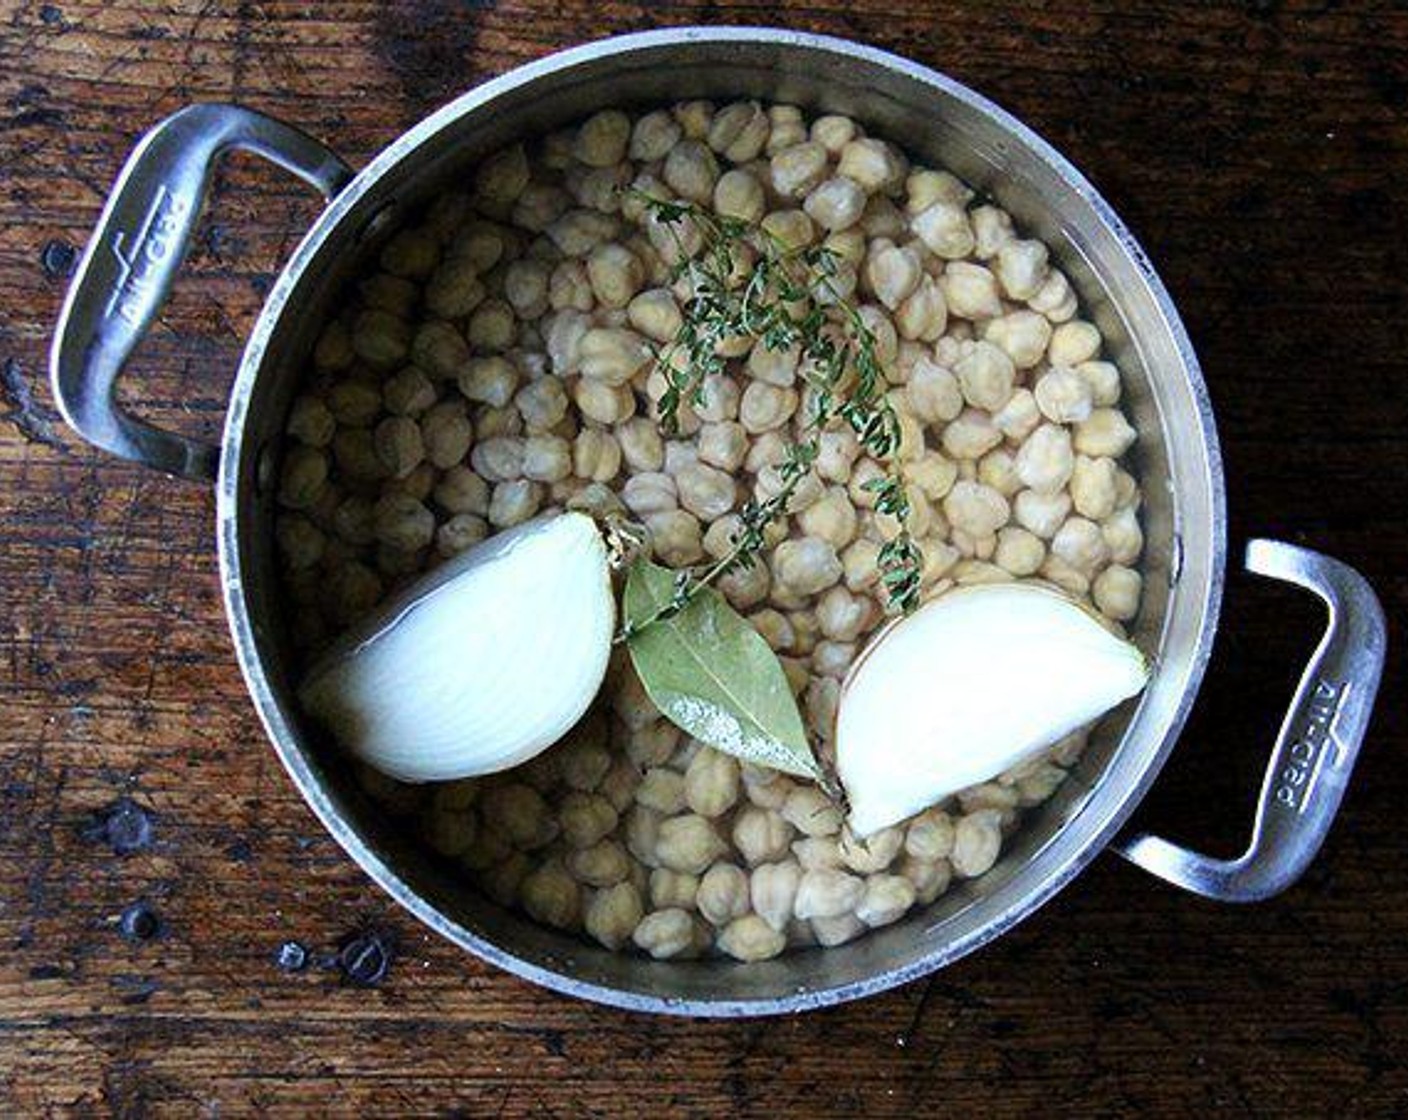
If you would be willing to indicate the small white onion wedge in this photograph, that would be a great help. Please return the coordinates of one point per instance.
(969, 685)
(483, 664)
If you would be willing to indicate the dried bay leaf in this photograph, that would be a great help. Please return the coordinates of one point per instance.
(711, 673)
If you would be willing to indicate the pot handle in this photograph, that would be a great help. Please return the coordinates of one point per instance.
(131, 262)
(1315, 750)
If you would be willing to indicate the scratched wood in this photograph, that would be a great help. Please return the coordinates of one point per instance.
(153, 857)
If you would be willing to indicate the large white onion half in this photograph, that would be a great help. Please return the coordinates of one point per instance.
(483, 664)
(969, 685)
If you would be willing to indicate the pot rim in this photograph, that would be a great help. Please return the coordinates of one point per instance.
(246, 639)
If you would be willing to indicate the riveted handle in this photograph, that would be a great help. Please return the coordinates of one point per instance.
(132, 259)
(1315, 750)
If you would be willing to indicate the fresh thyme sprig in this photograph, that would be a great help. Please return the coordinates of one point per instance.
(785, 296)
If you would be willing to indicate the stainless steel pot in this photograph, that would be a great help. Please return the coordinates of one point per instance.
(136, 251)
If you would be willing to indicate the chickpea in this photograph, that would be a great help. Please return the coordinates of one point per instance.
(1021, 268)
(673, 889)
(569, 287)
(929, 836)
(945, 230)
(739, 131)
(655, 314)
(1019, 551)
(827, 893)
(398, 444)
(887, 898)
(1063, 396)
(872, 853)
(513, 503)
(793, 229)
(977, 841)
(563, 338)
(354, 403)
(675, 537)
(498, 459)
(976, 507)
(992, 229)
(1074, 342)
(551, 896)
(970, 291)
(832, 659)
(641, 446)
(831, 518)
(649, 492)
(893, 274)
(811, 812)
(988, 795)
(304, 477)
(1080, 544)
(1104, 432)
(797, 170)
(1123, 536)
(549, 458)
(612, 355)
(1104, 381)
(773, 892)
(764, 407)
(971, 436)
(930, 878)
(594, 456)
(600, 188)
(723, 894)
(843, 616)
(542, 404)
(805, 566)
(461, 532)
(613, 914)
(666, 934)
(739, 195)
(1041, 514)
(604, 864)
(334, 350)
(653, 136)
(837, 452)
(750, 938)
(311, 422)
(705, 491)
(746, 587)
(985, 376)
(711, 783)
(760, 835)
(300, 542)
(723, 445)
(1092, 487)
(1022, 335)
(577, 232)
(924, 187)
(1055, 298)
(411, 253)
(491, 326)
(662, 789)
(602, 403)
(924, 313)
(1045, 460)
(615, 274)
(691, 171)
(688, 843)
(461, 490)
(874, 164)
(1116, 591)
(933, 392)
(787, 129)
(835, 204)
(774, 367)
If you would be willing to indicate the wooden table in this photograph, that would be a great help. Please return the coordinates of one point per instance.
(154, 857)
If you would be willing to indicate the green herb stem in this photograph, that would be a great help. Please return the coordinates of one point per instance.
(778, 304)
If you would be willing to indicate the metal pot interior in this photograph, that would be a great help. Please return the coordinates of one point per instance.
(937, 122)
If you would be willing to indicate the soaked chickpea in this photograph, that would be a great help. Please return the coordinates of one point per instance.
(498, 361)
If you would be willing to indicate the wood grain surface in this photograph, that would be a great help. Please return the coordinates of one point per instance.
(154, 857)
